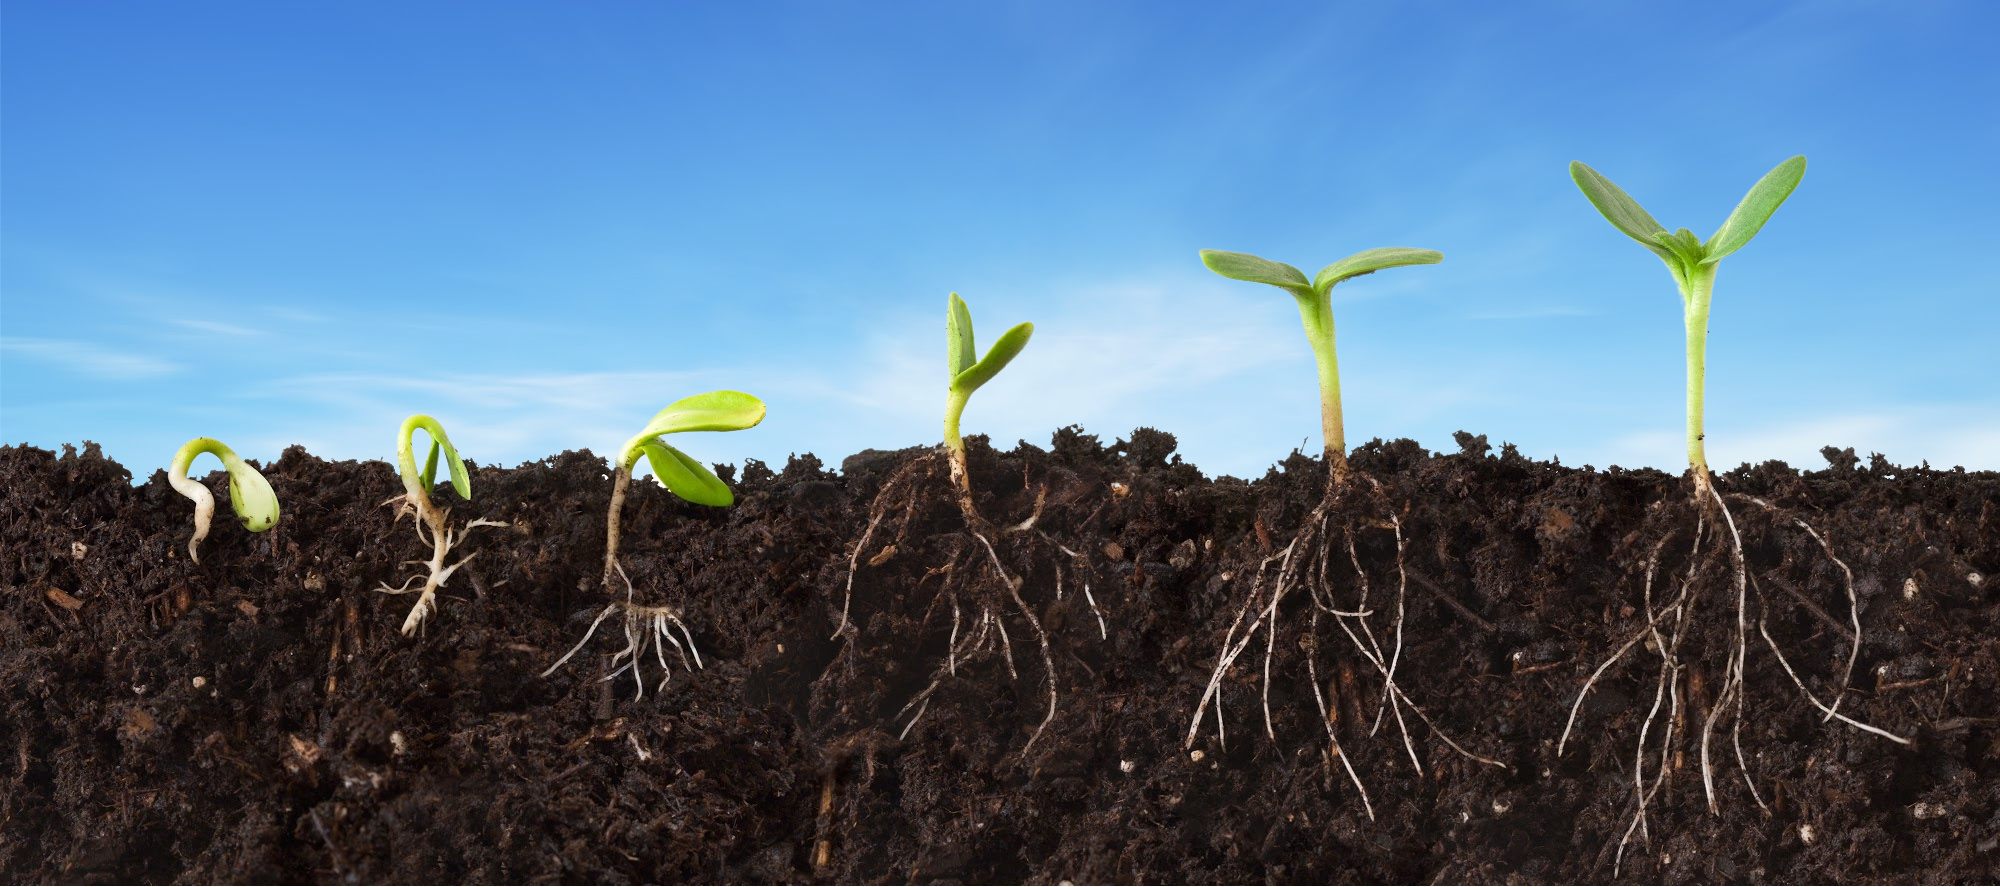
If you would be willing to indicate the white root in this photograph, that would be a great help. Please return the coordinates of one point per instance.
(432, 529)
(1265, 607)
(642, 625)
(1729, 702)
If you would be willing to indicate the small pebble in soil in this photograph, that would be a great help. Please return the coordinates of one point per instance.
(1127, 766)
(1910, 588)
(1976, 579)
(1806, 834)
(1927, 810)
(200, 682)
(1196, 756)
(398, 744)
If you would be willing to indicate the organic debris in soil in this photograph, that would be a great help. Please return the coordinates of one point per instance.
(258, 717)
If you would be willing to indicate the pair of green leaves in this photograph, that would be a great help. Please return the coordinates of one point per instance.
(1681, 250)
(1243, 266)
(416, 483)
(680, 473)
(967, 370)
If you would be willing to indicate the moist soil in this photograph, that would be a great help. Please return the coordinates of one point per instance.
(258, 718)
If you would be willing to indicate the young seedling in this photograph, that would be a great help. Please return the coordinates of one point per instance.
(431, 526)
(909, 489)
(1692, 262)
(966, 376)
(249, 493)
(1304, 562)
(1315, 298)
(684, 477)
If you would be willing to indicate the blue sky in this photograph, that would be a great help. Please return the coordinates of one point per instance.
(297, 223)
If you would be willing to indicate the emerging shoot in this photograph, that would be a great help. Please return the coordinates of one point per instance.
(1692, 262)
(684, 477)
(430, 520)
(249, 493)
(1315, 298)
(965, 376)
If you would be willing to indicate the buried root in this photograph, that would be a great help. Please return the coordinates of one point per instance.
(642, 625)
(1304, 563)
(978, 612)
(433, 529)
(1667, 625)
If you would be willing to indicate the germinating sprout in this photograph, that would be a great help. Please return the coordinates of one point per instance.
(684, 477)
(431, 525)
(249, 493)
(966, 372)
(1315, 298)
(1692, 262)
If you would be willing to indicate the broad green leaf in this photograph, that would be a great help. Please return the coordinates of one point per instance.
(1371, 261)
(1621, 210)
(1003, 351)
(685, 477)
(1756, 208)
(714, 411)
(960, 352)
(1244, 266)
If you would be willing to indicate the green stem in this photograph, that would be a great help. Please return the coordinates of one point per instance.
(1316, 311)
(1695, 297)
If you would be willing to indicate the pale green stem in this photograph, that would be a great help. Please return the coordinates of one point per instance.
(1316, 311)
(1695, 298)
(406, 460)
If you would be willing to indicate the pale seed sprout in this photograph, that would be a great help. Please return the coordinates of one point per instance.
(684, 477)
(1315, 298)
(431, 525)
(249, 493)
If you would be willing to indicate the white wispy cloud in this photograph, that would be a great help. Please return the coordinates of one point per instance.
(210, 326)
(90, 358)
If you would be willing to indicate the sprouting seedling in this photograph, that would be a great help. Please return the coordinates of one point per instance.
(1315, 298)
(430, 520)
(684, 477)
(967, 371)
(680, 474)
(249, 493)
(1692, 262)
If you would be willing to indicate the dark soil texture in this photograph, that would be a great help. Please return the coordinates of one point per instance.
(258, 717)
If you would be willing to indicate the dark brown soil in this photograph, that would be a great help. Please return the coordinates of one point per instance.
(258, 717)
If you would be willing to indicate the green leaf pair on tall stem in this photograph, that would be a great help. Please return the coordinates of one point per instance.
(1315, 298)
(1692, 262)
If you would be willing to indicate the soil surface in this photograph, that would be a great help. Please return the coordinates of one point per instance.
(258, 718)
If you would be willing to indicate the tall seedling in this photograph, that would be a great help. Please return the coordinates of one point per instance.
(1315, 298)
(1692, 262)
(684, 477)
(1304, 562)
